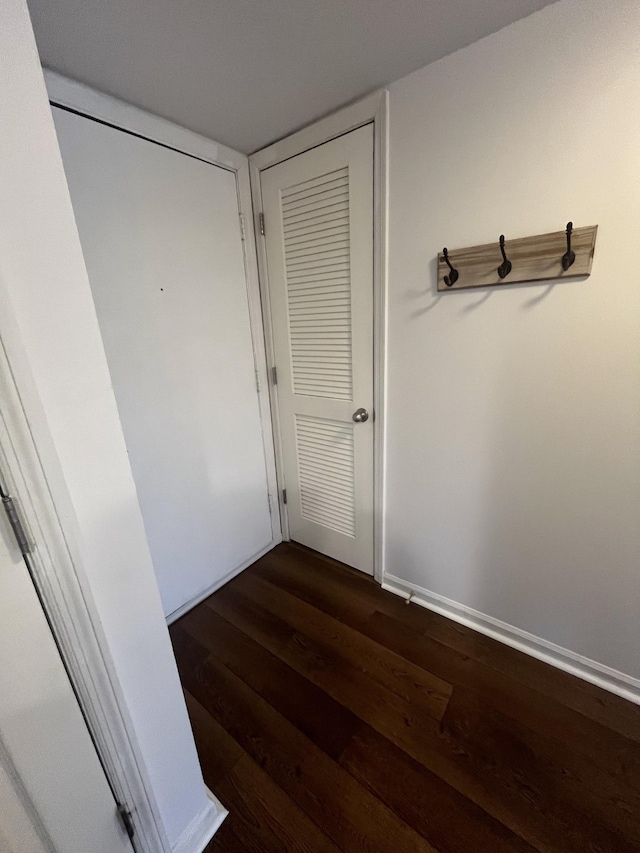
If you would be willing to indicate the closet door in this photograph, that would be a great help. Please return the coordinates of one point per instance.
(318, 209)
(161, 237)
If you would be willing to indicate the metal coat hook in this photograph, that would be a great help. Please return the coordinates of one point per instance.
(453, 276)
(506, 266)
(569, 256)
(533, 258)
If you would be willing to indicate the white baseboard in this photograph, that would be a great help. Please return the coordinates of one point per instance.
(589, 670)
(202, 828)
(221, 582)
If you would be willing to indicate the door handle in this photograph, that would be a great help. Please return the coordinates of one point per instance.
(360, 416)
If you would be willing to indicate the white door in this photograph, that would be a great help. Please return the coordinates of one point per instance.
(54, 797)
(318, 210)
(161, 238)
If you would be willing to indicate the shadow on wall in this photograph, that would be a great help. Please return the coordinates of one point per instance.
(555, 535)
(522, 469)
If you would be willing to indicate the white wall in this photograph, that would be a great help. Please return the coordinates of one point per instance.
(513, 455)
(75, 421)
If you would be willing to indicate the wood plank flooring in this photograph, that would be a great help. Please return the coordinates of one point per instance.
(330, 716)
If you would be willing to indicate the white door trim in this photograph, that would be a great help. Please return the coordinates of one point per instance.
(372, 109)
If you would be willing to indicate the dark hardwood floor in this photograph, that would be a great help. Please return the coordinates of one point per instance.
(331, 716)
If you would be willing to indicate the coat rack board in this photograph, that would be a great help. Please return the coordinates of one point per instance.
(561, 254)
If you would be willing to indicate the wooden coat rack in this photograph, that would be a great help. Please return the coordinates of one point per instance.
(561, 254)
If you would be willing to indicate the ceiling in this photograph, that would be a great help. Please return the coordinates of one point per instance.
(248, 72)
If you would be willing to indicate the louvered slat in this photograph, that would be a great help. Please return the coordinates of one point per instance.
(326, 472)
(305, 187)
(315, 216)
(314, 235)
(321, 270)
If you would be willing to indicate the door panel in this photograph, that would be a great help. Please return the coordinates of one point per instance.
(161, 237)
(54, 797)
(318, 209)
(326, 473)
(315, 220)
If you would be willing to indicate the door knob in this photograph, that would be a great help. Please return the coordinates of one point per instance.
(360, 416)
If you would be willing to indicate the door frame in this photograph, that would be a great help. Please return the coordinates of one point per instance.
(370, 110)
(61, 588)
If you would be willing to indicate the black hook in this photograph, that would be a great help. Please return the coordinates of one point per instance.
(453, 276)
(505, 267)
(569, 256)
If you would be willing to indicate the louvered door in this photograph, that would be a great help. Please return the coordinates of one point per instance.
(318, 210)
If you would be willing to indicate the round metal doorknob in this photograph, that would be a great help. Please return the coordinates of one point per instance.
(360, 416)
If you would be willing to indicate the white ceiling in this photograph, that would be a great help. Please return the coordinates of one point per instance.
(248, 72)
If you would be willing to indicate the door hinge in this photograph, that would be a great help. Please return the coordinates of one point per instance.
(125, 818)
(243, 233)
(274, 375)
(16, 523)
(257, 380)
(261, 223)
(284, 496)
